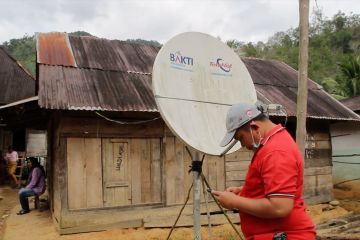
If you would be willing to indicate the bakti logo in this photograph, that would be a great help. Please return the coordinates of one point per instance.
(178, 59)
(226, 67)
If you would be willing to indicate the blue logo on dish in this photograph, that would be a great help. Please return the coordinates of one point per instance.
(178, 58)
(180, 62)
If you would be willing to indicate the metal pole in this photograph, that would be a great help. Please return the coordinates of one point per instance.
(196, 199)
(303, 76)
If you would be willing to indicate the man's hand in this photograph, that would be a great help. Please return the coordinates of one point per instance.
(263, 207)
(235, 190)
(226, 199)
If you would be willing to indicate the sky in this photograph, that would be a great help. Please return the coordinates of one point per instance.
(160, 20)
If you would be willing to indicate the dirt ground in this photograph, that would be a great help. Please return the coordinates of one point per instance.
(7, 202)
(39, 226)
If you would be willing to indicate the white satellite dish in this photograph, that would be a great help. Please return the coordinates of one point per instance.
(196, 78)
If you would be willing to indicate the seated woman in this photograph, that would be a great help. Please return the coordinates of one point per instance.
(36, 185)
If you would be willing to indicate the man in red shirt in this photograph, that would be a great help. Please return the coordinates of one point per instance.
(270, 202)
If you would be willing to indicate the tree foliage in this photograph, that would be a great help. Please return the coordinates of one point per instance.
(138, 40)
(334, 45)
(350, 69)
(23, 50)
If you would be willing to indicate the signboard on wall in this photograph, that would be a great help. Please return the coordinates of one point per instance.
(36, 143)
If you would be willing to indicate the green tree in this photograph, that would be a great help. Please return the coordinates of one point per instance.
(138, 40)
(23, 50)
(235, 45)
(330, 42)
(350, 70)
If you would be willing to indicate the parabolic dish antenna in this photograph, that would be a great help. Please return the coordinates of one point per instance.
(196, 78)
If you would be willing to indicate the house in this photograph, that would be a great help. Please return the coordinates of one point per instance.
(113, 162)
(15, 84)
(346, 150)
(353, 103)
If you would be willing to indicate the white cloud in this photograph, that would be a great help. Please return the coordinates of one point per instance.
(244, 20)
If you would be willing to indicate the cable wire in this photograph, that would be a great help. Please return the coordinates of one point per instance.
(222, 209)
(355, 179)
(345, 162)
(126, 122)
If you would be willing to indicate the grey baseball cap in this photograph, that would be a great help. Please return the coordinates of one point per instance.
(237, 116)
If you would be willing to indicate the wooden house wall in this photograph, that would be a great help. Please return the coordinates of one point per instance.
(345, 152)
(154, 174)
(56, 172)
(318, 186)
(177, 179)
(92, 153)
(6, 139)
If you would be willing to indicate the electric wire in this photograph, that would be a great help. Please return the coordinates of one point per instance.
(127, 122)
(351, 180)
(222, 209)
(345, 162)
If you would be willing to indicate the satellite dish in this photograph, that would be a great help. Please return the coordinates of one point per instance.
(196, 78)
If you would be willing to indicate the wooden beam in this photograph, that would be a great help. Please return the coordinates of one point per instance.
(301, 111)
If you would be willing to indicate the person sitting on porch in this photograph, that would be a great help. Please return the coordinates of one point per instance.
(35, 187)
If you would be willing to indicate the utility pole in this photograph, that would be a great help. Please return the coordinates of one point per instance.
(302, 96)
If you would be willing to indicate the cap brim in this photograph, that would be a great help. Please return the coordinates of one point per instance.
(227, 139)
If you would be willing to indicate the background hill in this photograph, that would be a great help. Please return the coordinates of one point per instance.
(334, 51)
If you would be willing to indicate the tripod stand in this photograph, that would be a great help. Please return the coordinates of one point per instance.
(196, 168)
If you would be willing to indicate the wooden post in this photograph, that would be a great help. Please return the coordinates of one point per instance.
(302, 76)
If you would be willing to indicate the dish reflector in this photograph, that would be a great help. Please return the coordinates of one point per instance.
(196, 78)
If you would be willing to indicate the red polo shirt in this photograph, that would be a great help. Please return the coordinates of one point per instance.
(276, 170)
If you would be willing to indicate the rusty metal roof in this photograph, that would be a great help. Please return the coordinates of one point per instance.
(15, 82)
(276, 82)
(111, 75)
(54, 49)
(353, 103)
(91, 89)
(113, 55)
(89, 73)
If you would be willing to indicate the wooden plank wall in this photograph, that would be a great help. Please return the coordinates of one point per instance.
(92, 160)
(236, 165)
(54, 160)
(139, 181)
(177, 163)
(84, 173)
(318, 186)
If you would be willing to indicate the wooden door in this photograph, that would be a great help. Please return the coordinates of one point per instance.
(84, 173)
(117, 187)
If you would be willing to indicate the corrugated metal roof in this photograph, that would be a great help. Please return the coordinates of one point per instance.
(13, 75)
(26, 100)
(353, 103)
(54, 49)
(115, 76)
(91, 89)
(113, 55)
(276, 82)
